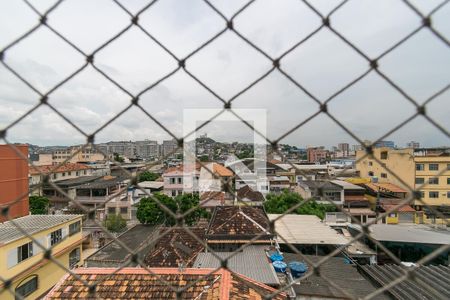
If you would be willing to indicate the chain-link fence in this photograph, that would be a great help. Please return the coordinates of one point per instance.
(275, 66)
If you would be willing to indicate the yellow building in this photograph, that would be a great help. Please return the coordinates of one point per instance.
(414, 167)
(22, 262)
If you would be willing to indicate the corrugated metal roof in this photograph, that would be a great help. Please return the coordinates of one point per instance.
(407, 233)
(305, 229)
(31, 224)
(429, 279)
(251, 262)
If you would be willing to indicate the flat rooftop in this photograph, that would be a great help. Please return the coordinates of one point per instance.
(411, 233)
(305, 229)
(30, 225)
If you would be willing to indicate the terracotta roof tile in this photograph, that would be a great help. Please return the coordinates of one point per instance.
(176, 246)
(230, 222)
(138, 283)
(221, 170)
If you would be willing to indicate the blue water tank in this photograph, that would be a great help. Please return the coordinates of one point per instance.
(279, 266)
(298, 269)
(276, 257)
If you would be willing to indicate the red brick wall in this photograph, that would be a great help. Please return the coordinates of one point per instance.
(13, 181)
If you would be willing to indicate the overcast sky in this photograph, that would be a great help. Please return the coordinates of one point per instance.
(323, 65)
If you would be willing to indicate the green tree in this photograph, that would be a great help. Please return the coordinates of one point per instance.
(204, 158)
(280, 203)
(147, 176)
(186, 202)
(149, 211)
(38, 205)
(115, 223)
(118, 158)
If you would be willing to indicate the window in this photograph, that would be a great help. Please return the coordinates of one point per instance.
(448, 195)
(27, 288)
(433, 194)
(172, 180)
(124, 210)
(433, 167)
(180, 180)
(383, 175)
(420, 180)
(384, 155)
(422, 194)
(174, 193)
(370, 173)
(370, 163)
(63, 174)
(448, 166)
(433, 180)
(74, 228)
(70, 173)
(24, 251)
(111, 210)
(84, 172)
(392, 215)
(420, 167)
(55, 237)
(448, 180)
(54, 176)
(74, 257)
(77, 173)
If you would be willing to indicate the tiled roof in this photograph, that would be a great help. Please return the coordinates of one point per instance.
(179, 170)
(436, 278)
(387, 187)
(230, 222)
(31, 224)
(212, 199)
(403, 208)
(175, 246)
(221, 170)
(350, 198)
(247, 193)
(64, 168)
(138, 283)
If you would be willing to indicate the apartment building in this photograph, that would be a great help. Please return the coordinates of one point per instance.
(316, 154)
(414, 167)
(23, 260)
(14, 181)
(66, 171)
(147, 149)
(168, 146)
(75, 154)
(181, 179)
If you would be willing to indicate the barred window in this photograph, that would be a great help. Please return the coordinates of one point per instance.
(56, 237)
(27, 288)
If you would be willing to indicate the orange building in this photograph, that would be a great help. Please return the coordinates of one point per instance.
(14, 181)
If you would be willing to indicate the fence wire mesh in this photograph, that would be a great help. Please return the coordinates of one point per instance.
(274, 64)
